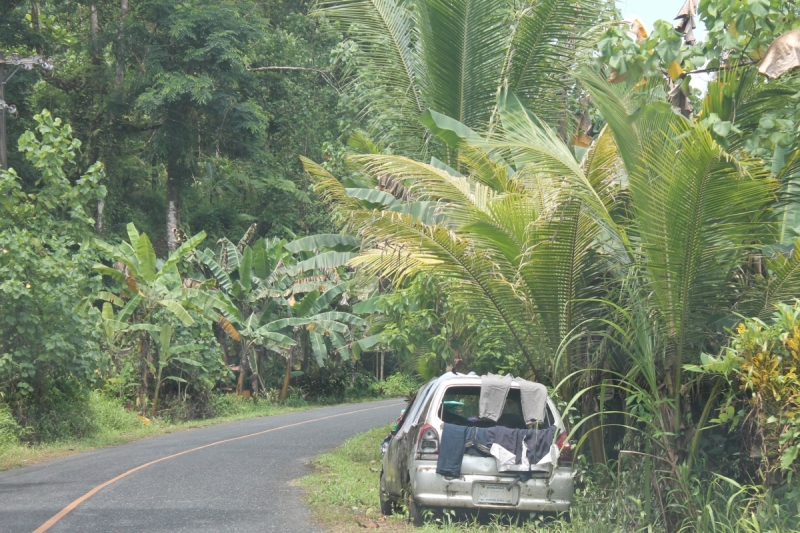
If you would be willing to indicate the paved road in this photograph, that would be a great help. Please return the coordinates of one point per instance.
(240, 486)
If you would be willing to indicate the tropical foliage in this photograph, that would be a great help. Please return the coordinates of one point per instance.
(612, 267)
(452, 56)
(521, 186)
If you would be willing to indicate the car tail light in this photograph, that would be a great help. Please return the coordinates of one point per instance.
(565, 455)
(428, 440)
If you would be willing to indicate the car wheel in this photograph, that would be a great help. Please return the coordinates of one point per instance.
(414, 512)
(387, 503)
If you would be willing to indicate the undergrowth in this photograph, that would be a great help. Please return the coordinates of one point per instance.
(343, 494)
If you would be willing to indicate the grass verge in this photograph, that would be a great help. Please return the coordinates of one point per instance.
(115, 425)
(343, 496)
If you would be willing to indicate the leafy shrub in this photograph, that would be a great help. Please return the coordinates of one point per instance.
(10, 430)
(295, 399)
(760, 367)
(108, 413)
(45, 269)
(229, 405)
(399, 385)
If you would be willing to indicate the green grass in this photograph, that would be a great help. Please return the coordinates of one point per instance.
(343, 495)
(115, 425)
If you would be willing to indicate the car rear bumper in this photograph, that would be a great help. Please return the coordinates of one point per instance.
(539, 494)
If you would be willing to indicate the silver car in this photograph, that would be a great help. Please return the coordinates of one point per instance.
(409, 463)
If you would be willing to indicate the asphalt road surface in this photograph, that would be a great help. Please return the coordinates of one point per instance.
(240, 485)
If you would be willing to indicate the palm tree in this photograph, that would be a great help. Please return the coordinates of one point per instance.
(534, 239)
(453, 56)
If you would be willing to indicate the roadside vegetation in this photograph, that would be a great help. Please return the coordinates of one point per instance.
(534, 187)
(343, 497)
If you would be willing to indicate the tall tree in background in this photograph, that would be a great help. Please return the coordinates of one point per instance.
(162, 91)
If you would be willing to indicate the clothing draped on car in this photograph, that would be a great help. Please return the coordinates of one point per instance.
(494, 391)
(515, 450)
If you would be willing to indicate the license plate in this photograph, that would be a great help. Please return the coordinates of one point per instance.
(495, 495)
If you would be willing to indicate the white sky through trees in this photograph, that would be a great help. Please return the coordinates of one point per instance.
(650, 11)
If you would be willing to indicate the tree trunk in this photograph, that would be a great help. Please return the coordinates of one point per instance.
(172, 216)
(119, 75)
(144, 369)
(244, 366)
(179, 171)
(287, 378)
(594, 428)
(98, 225)
(36, 27)
(155, 394)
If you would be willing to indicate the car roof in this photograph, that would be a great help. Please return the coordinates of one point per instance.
(467, 379)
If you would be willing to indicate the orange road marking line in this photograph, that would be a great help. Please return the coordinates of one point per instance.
(66, 510)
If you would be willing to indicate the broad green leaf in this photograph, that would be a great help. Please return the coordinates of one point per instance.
(373, 196)
(221, 276)
(246, 269)
(441, 165)
(183, 250)
(187, 361)
(260, 260)
(368, 342)
(110, 272)
(450, 130)
(324, 260)
(178, 310)
(306, 305)
(337, 316)
(327, 298)
(110, 297)
(789, 456)
(319, 348)
(147, 258)
(424, 212)
(367, 307)
(165, 341)
(133, 235)
(129, 308)
(266, 333)
(339, 342)
(322, 241)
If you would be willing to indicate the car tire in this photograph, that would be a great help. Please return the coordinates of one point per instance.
(414, 512)
(387, 503)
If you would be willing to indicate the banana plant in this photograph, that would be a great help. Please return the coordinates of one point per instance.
(168, 354)
(266, 281)
(146, 285)
(314, 324)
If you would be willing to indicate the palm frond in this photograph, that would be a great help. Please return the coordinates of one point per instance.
(386, 33)
(399, 248)
(695, 216)
(549, 37)
(463, 44)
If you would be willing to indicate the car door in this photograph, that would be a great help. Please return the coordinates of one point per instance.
(395, 463)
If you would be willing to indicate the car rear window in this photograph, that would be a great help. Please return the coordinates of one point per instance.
(460, 406)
